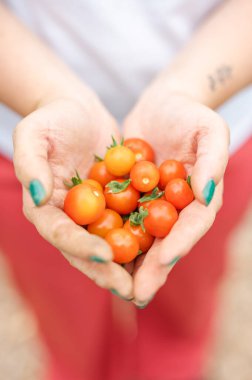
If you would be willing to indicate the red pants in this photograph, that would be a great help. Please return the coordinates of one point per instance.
(85, 337)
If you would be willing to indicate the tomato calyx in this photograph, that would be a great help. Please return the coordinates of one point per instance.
(137, 218)
(188, 180)
(139, 252)
(97, 158)
(75, 181)
(114, 143)
(155, 194)
(118, 187)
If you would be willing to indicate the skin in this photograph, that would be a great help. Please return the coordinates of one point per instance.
(48, 143)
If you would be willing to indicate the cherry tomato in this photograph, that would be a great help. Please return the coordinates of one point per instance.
(161, 217)
(124, 245)
(109, 220)
(144, 176)
(154, 194)
(144, 238)
(84, 204)
(179, 193)
(93, 183)
(99, 173)
(124, 202)
(169, 170)
(119, 160)
(143, 151)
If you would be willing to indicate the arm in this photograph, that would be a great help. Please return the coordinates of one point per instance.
(65, 125)
(217, 61)
(29, 71)
(174, 114)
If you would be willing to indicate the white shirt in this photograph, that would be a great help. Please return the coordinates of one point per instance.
(117, 47)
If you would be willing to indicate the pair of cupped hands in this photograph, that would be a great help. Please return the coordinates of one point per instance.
(65, 132)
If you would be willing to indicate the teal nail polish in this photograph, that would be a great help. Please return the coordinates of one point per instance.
(174, 261)
(115, 292)
(97, 259)
(142, 306)
(37, 191)
(208, 191)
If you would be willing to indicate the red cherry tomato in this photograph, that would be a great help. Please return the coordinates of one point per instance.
(99, 173)
(161, 217)
(109, 220)
(151, 196)
(123, 202)
(179, 193)
(84, 204)
(143, 151)
(124, 245)
(144, 176)
(144, 238)
(170, 169)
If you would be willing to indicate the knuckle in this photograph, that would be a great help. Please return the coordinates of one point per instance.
(58, 231)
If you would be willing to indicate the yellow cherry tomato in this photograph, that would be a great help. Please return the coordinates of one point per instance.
(119, 160)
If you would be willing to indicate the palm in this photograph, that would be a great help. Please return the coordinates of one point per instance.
(74, 136)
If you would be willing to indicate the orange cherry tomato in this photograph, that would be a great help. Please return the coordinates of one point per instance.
(161, 217)
(123, 202)
(144, 176)
(84, 204)
(124, 245)
(170, 169)
(143, 151)
(119, 160)
(179, 193)
(144, 238)
(99, 173)
(109, 220)
(93, 183)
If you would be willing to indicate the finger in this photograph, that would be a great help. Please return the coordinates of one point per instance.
(193, 223)
(148, 276)
(59, 230)
(212, 157)
(31, 148)
(109, 276)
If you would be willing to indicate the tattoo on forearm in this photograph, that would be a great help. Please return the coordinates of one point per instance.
(221, 75)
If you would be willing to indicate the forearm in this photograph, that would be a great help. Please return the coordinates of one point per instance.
(217, 61)
(29, 71)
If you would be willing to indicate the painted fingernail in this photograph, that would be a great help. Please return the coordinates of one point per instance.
(143, 305)
(174, 261)
(115, 292)
(37, 191)
(97, 259)
(208, 191)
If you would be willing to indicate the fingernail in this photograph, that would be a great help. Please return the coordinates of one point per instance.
(115, 292)
(174, 261)
(208, 191)
(97, 259)
(143, 306)
(37, 191)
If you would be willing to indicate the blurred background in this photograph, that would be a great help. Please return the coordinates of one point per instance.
(22, 356)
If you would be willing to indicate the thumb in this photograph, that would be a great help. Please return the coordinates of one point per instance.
(31, 160)
(211, 160)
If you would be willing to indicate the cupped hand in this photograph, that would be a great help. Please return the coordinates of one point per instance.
(180, 128)
(49, 144)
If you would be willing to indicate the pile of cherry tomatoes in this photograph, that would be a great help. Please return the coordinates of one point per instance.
(127, 199)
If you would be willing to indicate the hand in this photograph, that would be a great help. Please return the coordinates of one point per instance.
(49, 144)
(178, 127)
